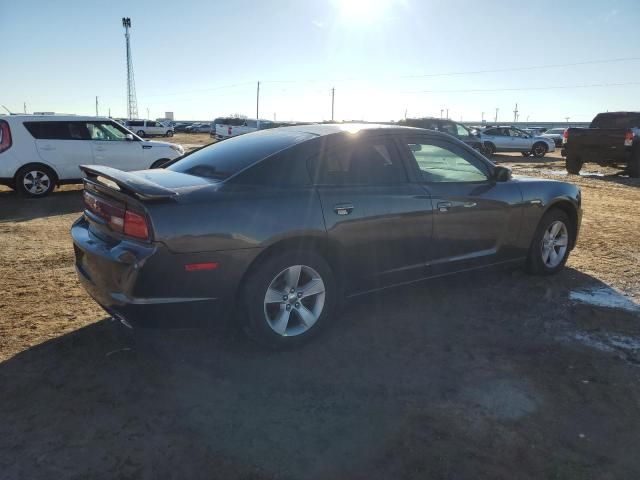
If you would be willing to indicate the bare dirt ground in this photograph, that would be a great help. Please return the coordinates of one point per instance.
(495, 375)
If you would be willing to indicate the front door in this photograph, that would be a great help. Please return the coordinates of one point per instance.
(111, 147)
(376, 218)
(476, 219)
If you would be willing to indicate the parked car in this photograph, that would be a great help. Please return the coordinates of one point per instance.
(149, 128)
(555, 134)
(276, 226)
(446, 126)
(39, 152)
(199, 128)
(511, 139)
(181, 127)
(232, 127)
(611, 139)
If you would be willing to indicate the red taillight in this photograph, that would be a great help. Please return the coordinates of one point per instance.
(135, 225)
(5, 136)
(565, 136)
(117, 217)
(195, 267)
(628, 139)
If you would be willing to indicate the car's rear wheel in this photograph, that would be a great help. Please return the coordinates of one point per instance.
(169, 133)
(551, 243)
(573, 164)
(539, 150)
(35, 180)
(288, 298)
(140, 133)
(489, 149)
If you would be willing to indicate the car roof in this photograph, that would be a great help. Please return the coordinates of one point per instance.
(54, 118)
(323, 129)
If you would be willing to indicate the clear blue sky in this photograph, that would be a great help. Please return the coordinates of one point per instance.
(201, 59)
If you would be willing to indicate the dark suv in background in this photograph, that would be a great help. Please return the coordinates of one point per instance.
(446, 126)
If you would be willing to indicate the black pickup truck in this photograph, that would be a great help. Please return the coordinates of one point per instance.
(611, 139)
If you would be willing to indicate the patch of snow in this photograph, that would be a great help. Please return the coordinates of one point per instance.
(604, 297)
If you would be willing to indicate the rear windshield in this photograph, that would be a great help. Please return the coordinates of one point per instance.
(616, 120)
(228, 157)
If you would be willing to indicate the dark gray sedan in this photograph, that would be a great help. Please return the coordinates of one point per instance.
(274, 228)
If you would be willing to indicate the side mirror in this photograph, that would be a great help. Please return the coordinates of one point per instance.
(501, 174)
(129, 137)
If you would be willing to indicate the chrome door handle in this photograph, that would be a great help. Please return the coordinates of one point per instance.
(343, 209)
(48, 147)
(444, 206)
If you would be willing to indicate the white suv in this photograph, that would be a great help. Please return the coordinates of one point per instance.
(39, 152)
(149, 128)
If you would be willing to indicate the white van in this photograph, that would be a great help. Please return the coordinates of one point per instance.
(149, 128)
(232, 127)
(39, 152)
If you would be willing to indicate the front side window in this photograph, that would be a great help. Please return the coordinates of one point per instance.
(449, 128)
(514, 132)
(105, 131)
(152, 124)
(439, 164)
(462, 130)
(361, 162)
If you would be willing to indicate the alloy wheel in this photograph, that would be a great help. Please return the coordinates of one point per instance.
(36, 182)
(294, 300)
(554, 244)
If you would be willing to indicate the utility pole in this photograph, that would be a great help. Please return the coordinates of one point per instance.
(515, 114)
(132, 101)
(96, 105)
(447, 114)
(405, 113)
(482, 118)
(109, 112)
(496, 119)
(148, 117)
(258, 102)
(441, 110)
(333, 99)
(567, 119)
(25, 107)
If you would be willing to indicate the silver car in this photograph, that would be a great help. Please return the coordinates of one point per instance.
(511, 139)
(555, 134)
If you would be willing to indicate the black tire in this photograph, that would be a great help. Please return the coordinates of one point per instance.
(489, 149)
(140, 133)
(525, 154)
(159, 163)
(539, 150)
(43, 176)
(254, 321)
(535, 264)
(169, 133)
(633, 166)
(573, 164)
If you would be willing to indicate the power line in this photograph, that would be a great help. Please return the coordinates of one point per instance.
(557, 87)
(530, 67)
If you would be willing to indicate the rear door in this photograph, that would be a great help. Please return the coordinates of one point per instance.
(476, 220)
(111, 148)
(379, 220)
(63, 145)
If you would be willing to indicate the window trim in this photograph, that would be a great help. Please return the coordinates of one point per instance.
(389, 140)
(458, 148)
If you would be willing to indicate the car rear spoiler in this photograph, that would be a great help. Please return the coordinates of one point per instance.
(127, 182)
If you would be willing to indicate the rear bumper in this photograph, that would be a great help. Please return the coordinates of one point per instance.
(148, 286)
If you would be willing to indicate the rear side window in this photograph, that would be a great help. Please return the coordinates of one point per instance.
(135, 123)
(360, 162)
(58, 130)
(286, 169)
(224, 159)
(616, 120)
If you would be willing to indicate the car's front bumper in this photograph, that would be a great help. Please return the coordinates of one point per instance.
(148, 286)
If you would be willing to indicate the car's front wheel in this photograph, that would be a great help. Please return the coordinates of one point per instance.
(551, 243)
(169, 133)
(140, 133)
(539, 150)
(288, 298)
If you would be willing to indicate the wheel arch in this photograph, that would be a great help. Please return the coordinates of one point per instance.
(37, 164)
(322, 246)
(571, 210)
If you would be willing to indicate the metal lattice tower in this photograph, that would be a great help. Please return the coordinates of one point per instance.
(132, 102)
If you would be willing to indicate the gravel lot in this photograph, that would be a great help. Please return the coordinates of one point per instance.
(490, 375)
